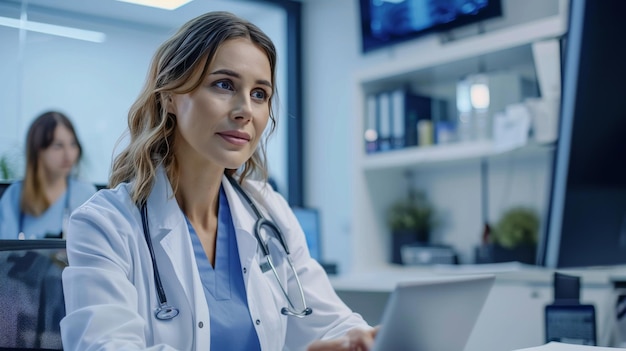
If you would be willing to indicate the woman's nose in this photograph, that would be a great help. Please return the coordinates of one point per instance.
(242, 109)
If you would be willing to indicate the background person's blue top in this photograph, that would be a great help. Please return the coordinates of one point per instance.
(224, 289)
(49, 222)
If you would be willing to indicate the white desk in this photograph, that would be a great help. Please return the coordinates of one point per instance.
(513, 315)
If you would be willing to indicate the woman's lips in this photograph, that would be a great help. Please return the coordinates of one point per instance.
(235, 137)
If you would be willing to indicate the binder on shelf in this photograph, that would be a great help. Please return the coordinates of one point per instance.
(410, 108)
(398, 119)
(370, 135)
(384, 122)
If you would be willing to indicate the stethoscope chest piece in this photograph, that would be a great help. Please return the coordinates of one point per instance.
(166, 312)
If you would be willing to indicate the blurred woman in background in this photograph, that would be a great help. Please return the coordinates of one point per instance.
(39, 206)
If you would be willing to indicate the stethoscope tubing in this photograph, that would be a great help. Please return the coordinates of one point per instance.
(166, 312)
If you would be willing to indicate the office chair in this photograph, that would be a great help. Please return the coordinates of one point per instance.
(31, 294)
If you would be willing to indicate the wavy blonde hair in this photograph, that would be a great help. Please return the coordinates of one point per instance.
(179, 66)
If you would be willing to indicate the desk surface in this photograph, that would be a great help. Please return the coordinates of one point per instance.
(386, 278)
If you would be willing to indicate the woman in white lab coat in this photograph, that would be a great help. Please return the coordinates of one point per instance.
(183, 196)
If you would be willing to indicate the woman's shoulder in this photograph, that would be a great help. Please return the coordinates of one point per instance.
(10, 198)
(116, 198)
(15, 185)
(262, 191)
(14, 189)
(259, 187)
(82, 185)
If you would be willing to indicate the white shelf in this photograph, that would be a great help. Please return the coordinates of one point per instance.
(505, 44)
(433, 67)
(444, 154)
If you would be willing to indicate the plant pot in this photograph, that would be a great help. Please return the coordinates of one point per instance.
(494, 253)
(400, 238)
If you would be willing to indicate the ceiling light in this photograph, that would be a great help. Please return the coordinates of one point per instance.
(162, 4)
(62, 31)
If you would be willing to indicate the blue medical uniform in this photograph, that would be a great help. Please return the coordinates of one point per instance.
(50, 221)
(224, 289)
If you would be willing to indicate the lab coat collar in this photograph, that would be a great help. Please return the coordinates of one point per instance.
(167, 219)
(243, 217)
(163, 208)
(244, 221)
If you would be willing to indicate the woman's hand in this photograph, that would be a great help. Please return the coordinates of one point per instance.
(354, 340)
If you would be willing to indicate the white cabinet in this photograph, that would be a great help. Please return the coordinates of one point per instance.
(450, 174)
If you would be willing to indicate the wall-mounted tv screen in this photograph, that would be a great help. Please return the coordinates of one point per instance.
(386, 22)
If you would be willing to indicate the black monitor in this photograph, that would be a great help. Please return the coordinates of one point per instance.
(386, 22)
(586, 224)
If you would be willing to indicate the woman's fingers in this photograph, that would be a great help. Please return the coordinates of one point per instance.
(354, 340)
(330, 345)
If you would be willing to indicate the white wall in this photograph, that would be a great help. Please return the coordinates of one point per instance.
(330, 52)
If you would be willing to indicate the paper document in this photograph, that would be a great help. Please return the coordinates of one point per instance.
(558, 346)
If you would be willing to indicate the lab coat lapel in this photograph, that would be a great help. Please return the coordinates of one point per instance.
(261, 298)
(169, 230)
(243, 221)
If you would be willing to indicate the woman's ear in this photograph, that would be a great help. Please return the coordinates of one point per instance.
(170, 107)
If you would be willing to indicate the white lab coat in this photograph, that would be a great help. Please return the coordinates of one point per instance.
(110, 294)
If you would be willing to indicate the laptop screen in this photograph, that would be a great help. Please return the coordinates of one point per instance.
(310, 222)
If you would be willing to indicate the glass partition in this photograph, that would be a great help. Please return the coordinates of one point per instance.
(95, 82)
(89, 60)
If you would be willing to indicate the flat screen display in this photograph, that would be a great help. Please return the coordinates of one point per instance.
(310, 223)
(386, 22)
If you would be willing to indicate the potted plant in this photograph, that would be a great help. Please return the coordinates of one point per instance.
(6, 170)
(514, 238)
(410, 221)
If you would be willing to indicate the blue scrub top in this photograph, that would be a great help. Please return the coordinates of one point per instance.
(224, 289)
(49, 222)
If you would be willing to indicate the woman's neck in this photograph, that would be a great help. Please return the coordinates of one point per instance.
(198, 196)
(54, 187)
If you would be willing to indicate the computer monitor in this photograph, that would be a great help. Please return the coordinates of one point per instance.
(309, 219)
(586, 224)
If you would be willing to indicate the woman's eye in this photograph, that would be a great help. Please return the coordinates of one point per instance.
(259, 94)
(224, 85)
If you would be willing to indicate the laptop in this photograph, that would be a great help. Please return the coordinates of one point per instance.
(437, 313)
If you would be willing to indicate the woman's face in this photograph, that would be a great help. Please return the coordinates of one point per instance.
(220, 124)
(59, 158)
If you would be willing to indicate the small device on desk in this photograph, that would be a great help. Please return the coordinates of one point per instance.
(572, 324)
(566, 319)
(419, 254)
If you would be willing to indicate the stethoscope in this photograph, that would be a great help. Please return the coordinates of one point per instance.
(66, 215)
(166, 311)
